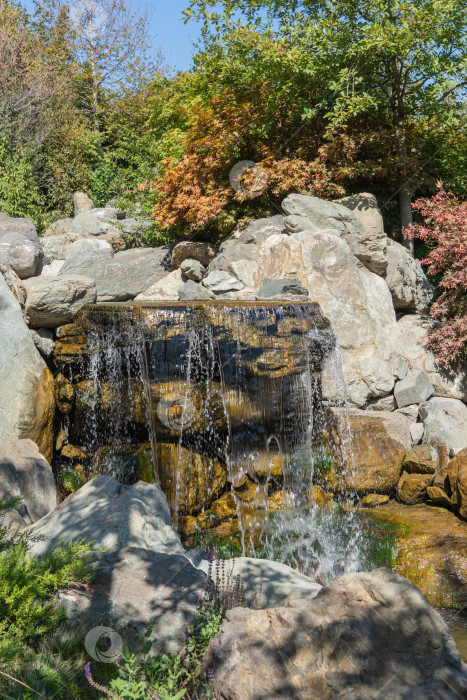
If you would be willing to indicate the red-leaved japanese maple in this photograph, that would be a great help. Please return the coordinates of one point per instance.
(445, 232)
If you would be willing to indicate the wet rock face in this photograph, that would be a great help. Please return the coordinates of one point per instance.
(431, 550)
(360, 637)
(374, 446)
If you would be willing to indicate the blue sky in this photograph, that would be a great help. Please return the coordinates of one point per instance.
(171, 35)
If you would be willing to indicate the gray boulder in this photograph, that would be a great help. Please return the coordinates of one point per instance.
(43, 340)
(111, 516)
(415, 387)
(366, 635)
(131, 588)
(314, 214)
(26, 384)
(365, 207)
(20, 248)
(406, 280)
(25, 472)
(92, 223)
(121, 276)
(193, 269)
(267, 583)
(53, 301)
(320, 215)
(356, 301)
(282, 289)
(220, 282)
(82, 202)
(243, 246)
(85, 245)
(167, 289)
(445, 423)
(244, 271)
(192, 291)
(409, 338)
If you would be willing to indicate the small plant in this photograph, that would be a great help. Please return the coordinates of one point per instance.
(146, 676)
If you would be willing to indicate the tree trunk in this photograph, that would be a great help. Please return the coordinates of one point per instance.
(405, 195)
(405, 210)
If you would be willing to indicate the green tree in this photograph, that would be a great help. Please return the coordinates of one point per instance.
(402, 61)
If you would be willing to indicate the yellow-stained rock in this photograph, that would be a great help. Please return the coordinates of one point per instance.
(438, 497)
(457, 474)
(373, 499)
(370, 450)
(73, 452)
(412, 488)
(190, 480)
(421, 459)
(64, 393)
(432, 550)
(38, 426)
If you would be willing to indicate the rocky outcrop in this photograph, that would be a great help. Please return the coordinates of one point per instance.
(121, 276)
(111, 516)
(356, 301)
(20, 248)
(25, 472)
(26, 384)
(409, 338)
(406, 280)
(193, 269)
(445, 423)
(430, 550)
(53, 301)
(359, 638)
(314, 214)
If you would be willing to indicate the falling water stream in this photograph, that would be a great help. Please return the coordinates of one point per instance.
(215, 400)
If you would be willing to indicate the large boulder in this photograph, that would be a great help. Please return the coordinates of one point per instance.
(366, 635)
(111, 516)
(133, 588)
(53, 301)
(409, 340)
(267, 583)
(20, 248)
(356, 301)
(314, 214)
(121, 276)
(409, 286)
(373, 448)
(365, 207)
(445, 423)
(26, 384)
(238, 255)
(25, 472)
(166, 289)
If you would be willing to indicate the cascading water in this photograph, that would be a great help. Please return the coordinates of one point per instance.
(221, 403)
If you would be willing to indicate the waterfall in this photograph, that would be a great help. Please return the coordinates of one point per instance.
(221, 404)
